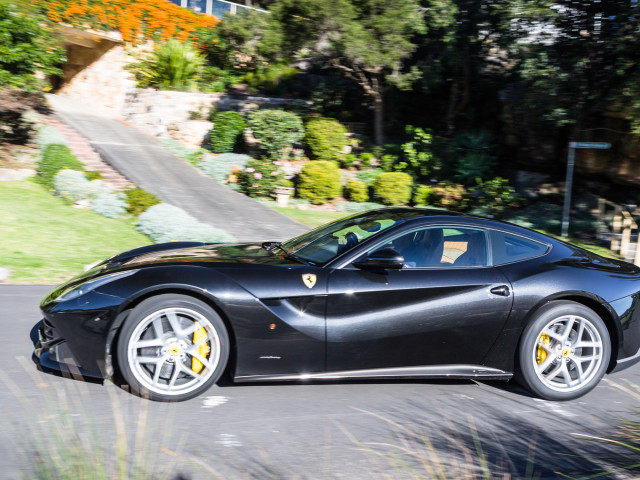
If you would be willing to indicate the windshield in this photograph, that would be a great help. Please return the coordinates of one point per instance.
(327, 242)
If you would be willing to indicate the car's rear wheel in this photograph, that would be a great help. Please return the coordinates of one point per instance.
(564, 351)
(172, 348)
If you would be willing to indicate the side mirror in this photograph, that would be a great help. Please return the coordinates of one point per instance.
(386, 258)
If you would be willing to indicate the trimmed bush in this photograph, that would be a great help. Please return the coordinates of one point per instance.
(369, 176)
(451, 196)
(496, 196)
(358, 207)
(48, 135)
(319, 182)
(357, 191)
(421, 195)
(219, 167)
(325, 138)
(54, 158)
(166, 223)
(259, 178)
(393, 188)
(72, 185)
(139, 200)
(276, 130)
(108, 204)
(227, 131)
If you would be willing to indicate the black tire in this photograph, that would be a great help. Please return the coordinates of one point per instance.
(172, 348)
(556, 364)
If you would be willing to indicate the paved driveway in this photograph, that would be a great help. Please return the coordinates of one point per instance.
(144, 161)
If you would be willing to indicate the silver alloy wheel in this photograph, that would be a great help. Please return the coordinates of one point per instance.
(173, 351)
(568, 353)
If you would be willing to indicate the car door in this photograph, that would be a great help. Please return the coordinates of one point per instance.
(446, 306)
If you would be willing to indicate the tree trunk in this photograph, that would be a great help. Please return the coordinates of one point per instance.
(378, 118)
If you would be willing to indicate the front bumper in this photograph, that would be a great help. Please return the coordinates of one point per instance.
(52, 352)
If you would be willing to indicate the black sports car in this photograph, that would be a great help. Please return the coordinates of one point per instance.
(398, 292)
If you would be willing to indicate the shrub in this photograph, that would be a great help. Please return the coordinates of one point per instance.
(319, 181)
(166, 223)
(276, 130)
(27, 47)
(108, 204)
(272, 80)
(226, 132)
(421, 195)
(172, 66)
(15, 125)
(54, 158)
(417, 160)
(387, 162)
(259, 177)
(179, 150)
(358, 207)
(139, 200)
(357, 191)
(366, 158)
(92, 175)
(348, 160)
(451, 196)
(72, 185)
(393, 188)
(496, 196)
(369, 176)
(473, 156)
(48, 135)
(325, 138)
(219, 167)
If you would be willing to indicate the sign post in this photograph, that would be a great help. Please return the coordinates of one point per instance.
(569, 181)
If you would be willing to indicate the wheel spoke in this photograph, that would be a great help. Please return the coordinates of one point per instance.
(157, 327)
(174, 322)
(153, 342)
(586, 345)
(547, 361)
(142, 359)
(176, 371)
(553, 335)
(156, 372)
(580, 332)
(567, 328)
(587, 358)
(566, 374)
(554, 373)
(194, 353)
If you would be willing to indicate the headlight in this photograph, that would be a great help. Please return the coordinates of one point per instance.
(78, 290)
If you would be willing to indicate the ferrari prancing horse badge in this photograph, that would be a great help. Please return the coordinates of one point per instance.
(309, 279)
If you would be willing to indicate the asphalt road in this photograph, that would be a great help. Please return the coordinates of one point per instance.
(356, 430)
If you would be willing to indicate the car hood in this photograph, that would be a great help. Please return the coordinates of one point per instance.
(219, 254)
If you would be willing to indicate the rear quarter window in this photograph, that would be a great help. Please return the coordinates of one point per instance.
(508, 248)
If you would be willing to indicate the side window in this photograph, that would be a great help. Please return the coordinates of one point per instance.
(442, 247)
(507, 248)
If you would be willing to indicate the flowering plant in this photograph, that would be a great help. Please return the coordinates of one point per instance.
(134, 19)
(259, 177)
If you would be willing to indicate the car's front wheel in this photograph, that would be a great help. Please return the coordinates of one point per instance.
(564, 351)
(172, 348)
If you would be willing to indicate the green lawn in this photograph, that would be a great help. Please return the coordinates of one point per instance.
(311, 218)
(44, 240)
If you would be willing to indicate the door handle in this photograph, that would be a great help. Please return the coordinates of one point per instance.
(502, 291)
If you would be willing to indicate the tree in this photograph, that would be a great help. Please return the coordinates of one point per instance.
(26, 47)
(366, 40)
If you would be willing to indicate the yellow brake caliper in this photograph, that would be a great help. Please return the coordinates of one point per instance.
(204, 349)
(542, 353)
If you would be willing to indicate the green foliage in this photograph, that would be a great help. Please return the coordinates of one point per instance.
(227, 131)
(348, 160)
(15, 126)
(219, 167)
(259, 177)
(73, 185)
(109, 204)
(325, 138)
(496, 196)
(54, 158)
(473, 156)
(92, 175)
(271, 79)
(357, 191)
(387, 162)
(418, 160)
(421, 195)
(319, 182)
(166, 223)
(26, 47)
(369, 176)
(216, 79)
(172, 66)
(48, 135)
(393, 188)
(139, 200)
(366, 158)
(449, 196)
(276, 130)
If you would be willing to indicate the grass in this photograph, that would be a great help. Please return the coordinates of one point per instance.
(311, 218)
(43, 240)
